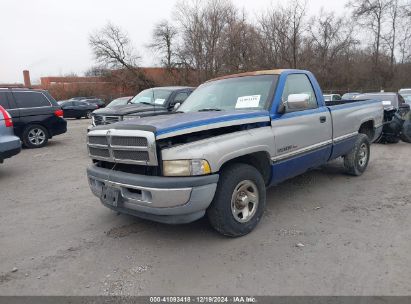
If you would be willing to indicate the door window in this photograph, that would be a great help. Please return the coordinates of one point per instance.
(299, 84)
(4, 101)
(30, 99)
(180, 97)
(79, 103)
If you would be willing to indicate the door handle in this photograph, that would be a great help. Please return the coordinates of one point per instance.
(323, 119)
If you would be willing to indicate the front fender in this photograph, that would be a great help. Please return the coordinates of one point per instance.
(220, 149)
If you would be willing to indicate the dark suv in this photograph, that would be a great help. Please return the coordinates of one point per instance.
(150, 102)
(36, 115)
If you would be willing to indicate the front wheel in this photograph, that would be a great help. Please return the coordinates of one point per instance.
(88, 114)
(356, 161)
(239, 202)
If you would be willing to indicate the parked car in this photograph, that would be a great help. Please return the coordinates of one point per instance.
(122, 101)
(231, 139)
(77, 109)
(405, 91)
(81, 98)
(332, 97)
(36, 115)
(389, 99)
(154, 101)
(395, 126)
(350, 96)
(10, 144)
(96, 101)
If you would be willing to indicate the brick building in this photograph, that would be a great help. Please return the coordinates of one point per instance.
(104, 87)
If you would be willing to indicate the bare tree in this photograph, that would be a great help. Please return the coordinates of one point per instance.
(202, 25)
(390, 37)
(330, 37)
(372, 13)
(404, 33)
(163, 42)
(215, 37)
(284, 29)
(113, 49)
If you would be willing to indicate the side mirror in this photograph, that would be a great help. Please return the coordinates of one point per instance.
(176, 106)
(296, 102)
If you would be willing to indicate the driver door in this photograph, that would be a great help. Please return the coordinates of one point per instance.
(303, 137)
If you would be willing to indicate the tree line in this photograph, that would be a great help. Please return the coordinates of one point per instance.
(367, 47)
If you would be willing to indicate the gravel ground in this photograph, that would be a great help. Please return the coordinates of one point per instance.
(57, 239)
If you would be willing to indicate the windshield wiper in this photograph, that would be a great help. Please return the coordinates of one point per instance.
(147, 103)
(209, 110)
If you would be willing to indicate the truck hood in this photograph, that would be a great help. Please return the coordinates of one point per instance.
(129, 109)
(164, 126)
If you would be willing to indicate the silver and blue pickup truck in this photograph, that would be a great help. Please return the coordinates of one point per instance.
(10, 144)
(230, 140)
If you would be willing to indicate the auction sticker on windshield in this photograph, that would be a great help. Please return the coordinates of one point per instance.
(252, 101)
(159, 101)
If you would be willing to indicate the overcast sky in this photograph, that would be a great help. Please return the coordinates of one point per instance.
(49, 37)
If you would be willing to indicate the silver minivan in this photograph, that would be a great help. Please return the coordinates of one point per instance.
(9, 143)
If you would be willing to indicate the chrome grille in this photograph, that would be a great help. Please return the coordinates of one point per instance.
(131, 155)
(98, 140)
(105, 153)
(123, 146)
(129, 141)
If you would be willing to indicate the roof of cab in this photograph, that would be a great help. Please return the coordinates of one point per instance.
(255, 73)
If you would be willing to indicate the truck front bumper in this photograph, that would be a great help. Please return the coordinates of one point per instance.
(171, 200)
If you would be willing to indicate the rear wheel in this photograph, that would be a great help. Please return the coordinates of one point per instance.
(239, 202)
(356, 161)
(35, 136)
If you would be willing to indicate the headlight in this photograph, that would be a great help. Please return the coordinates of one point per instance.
(93, 122)
(186, 167)
(128, 117)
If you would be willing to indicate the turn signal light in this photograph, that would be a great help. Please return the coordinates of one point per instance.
(7, 117)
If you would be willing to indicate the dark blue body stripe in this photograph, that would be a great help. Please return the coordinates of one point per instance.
(299, 164)
(212, 121)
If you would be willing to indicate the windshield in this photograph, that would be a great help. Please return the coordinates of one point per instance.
(407, 98)
(152, 96)
(249, 92)
(118, 102)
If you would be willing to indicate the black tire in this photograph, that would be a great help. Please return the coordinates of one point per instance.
(356, 161)
(391, 139)
(31, 140)
(406, 132)
(88, 115)
(221, 213)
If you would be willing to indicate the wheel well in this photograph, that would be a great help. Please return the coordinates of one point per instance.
(260, 160)
(367, 128)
